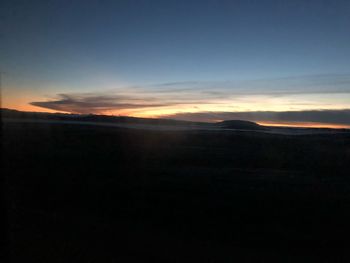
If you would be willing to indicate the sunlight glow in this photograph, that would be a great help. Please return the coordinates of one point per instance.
(304, 124)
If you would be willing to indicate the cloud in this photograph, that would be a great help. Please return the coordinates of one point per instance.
(341, 117)
(215, 99)
(178, 83)
(95, 103)
(310, 84)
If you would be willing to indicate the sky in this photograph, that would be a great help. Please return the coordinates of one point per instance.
(276, 62)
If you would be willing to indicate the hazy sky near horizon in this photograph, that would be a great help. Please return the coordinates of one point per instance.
(170, 58)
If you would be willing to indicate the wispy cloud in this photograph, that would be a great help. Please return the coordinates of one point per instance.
(311, 84)
(311, 96)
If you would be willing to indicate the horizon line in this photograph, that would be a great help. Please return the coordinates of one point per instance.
(283, 124)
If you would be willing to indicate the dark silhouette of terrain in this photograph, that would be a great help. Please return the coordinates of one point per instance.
(14, 114)
(107, 120)
(239, 124)
(80, 193)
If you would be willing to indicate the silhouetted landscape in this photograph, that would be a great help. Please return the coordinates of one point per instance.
(175, 131)
(80, 192)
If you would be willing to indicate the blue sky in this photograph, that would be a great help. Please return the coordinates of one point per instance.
(108, 48)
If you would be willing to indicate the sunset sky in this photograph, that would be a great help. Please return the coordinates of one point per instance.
(273, 62)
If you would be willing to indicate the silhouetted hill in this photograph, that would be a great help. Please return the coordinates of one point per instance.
(239, 124)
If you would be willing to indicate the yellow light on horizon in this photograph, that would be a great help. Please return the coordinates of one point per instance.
(304, 124)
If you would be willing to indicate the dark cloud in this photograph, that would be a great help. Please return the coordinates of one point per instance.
(99, 102)
(341, 117)
(94, 103)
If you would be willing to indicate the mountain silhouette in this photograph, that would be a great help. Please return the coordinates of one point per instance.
(240, 124)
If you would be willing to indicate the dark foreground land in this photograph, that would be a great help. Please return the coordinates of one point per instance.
(77, 193)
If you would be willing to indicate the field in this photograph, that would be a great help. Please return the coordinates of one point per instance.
(84, 193)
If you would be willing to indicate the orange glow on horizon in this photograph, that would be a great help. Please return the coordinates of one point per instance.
(30, 108)
(304, 124)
